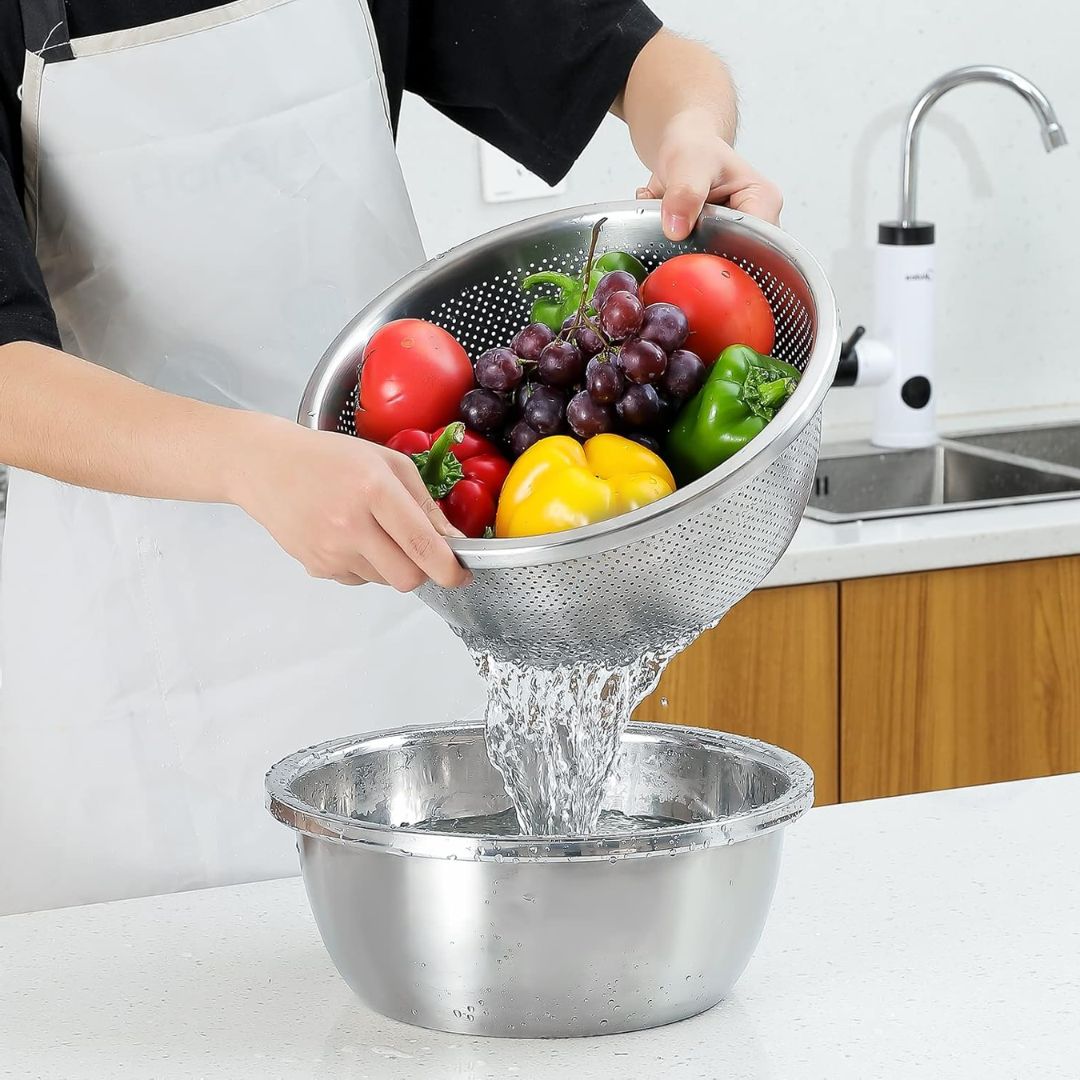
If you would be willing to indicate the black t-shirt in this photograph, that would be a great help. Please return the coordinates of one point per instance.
(532, 77)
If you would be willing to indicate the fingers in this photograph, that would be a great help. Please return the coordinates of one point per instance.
(385, 553)
(419, 544)
(353, 512)
(406, 472)
(361, 573)
(652, 190)
(358, 579)
(687, 185)
(696, 174)
(761, 199)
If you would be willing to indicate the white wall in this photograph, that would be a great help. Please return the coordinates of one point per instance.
(825, 87)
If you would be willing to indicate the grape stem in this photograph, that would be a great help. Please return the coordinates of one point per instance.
(594, 327)
(581, 317)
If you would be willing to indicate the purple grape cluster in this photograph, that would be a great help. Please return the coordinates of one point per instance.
(619, 368)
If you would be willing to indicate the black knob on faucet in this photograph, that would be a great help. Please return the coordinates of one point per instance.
(847, 371)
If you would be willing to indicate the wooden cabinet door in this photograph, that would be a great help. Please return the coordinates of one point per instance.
(959, 677)
(768, 670)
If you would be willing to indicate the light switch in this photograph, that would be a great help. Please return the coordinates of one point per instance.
(503, 180)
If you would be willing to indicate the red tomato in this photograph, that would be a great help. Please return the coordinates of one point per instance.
(414, 375)
(723, 304)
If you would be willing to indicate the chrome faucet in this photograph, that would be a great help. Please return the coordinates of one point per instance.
(900, 358)
(1053, 135)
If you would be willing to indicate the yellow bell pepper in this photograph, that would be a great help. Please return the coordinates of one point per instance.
(559, 484)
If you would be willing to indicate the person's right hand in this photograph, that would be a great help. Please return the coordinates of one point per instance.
(347, 509)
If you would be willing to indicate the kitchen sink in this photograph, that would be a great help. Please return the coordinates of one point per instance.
(1058, 443)
(861, 482)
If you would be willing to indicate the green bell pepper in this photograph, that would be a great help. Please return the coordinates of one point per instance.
(555, 308)
(743, 392)
(620, 260)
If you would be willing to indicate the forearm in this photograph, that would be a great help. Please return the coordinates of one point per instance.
(345, 508)
(86, 425)
(675, 80)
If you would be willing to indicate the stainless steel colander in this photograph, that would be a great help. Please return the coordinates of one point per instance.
(651, 579)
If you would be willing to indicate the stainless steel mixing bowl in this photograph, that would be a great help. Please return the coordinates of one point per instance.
(538, 936)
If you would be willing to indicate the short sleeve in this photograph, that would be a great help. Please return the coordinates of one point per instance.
(534, 78)
(25, 311)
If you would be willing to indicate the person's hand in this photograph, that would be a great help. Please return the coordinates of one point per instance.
(345, 508)
(695, 166)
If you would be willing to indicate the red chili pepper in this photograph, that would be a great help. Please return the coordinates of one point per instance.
(463, 471)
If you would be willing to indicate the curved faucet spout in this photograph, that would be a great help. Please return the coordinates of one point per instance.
(1053, 134)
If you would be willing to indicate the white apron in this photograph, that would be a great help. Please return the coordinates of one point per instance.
(213, 198)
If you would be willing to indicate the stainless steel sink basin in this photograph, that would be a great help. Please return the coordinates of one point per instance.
(861, 482)
(1058, 443)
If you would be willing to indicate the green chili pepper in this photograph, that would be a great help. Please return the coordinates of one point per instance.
(557, 306)
(553, 310)
(620, 260)
(743, 392)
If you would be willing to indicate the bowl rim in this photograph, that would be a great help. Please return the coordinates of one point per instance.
(718, 484)
(289, 809)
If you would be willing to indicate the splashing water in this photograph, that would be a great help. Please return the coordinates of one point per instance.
(505, 823)
(554, 734)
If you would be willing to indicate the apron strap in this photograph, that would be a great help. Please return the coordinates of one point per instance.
(45, 29)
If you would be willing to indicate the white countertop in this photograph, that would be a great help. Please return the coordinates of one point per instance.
(823, 552)
(936, 936)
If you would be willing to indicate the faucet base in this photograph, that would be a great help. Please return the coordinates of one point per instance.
(904, 323)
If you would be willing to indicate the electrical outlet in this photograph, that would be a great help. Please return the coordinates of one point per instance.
(503, 180)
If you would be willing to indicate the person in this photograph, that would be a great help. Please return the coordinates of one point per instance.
(194, 198)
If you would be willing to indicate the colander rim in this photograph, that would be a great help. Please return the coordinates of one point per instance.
(721, 482)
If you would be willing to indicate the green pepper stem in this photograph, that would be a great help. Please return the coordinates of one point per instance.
(779, 368)
(762, 396)
(433, 465)
(776, 392)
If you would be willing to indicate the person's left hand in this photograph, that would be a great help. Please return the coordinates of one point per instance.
(696, 166)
